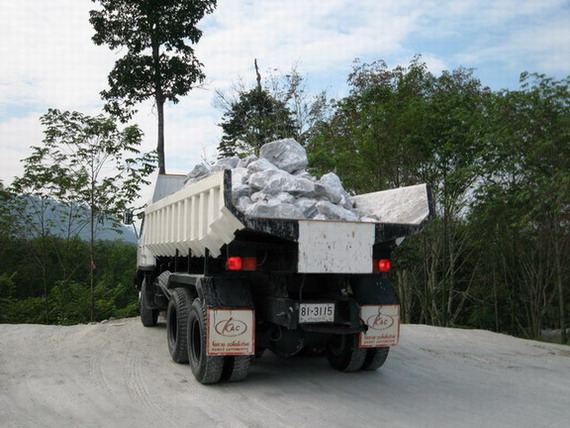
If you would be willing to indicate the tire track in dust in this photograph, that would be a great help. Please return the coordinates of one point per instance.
(16, 411)
(137, 388)
(95, 370)
(29, 344)
(9, 417)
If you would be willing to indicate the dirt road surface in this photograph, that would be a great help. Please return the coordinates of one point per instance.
(120, 374)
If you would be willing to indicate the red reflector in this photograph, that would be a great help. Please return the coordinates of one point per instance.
(384, 265)
(234, 263)
(249, 263)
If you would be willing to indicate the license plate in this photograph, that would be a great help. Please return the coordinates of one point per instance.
(316, 312)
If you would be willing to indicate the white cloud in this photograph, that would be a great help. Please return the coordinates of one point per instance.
(51, 59)
(320, 35)
(16, 137)
(535, 47)
(508, 35)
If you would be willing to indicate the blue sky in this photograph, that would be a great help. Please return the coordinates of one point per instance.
(49, 61)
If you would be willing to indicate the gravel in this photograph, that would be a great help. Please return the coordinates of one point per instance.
(277, 185)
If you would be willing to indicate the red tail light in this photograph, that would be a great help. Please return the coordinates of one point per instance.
(384, 265)
(241, 263)
(234, 263)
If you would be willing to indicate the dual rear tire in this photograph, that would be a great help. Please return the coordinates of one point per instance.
(344, 354)
(186, 325)
(149, 317)
(206, 369)
(177, 324)
(187, 332)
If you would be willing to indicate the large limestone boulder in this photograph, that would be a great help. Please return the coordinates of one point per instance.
(286, 154)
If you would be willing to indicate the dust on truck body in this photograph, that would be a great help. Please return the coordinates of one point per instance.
(233, 286)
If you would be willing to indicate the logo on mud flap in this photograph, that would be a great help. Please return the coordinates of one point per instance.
(231, 328)
(380, 321)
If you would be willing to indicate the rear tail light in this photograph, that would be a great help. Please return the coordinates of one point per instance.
(234, 263)
(241, 263)
(382, 265)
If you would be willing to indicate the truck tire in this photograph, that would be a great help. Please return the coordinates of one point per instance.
(149, 317)
(236, 368)
(375, 358)
(177, 323)
(344, 354)
(206, 369)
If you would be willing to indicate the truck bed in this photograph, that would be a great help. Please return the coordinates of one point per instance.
(201, 218)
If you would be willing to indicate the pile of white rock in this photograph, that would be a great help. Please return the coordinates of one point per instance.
(277, 185)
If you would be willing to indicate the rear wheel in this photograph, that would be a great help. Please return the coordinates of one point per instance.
(206, 369)
(177, 323)
(344, 354)
(375, 358)
(236, 368)
(149, 317)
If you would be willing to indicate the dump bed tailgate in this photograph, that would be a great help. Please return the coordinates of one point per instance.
(335, 247)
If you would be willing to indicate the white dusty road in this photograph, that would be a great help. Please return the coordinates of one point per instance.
(120, 375)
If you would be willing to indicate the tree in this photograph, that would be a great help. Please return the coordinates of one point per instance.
(280, 107)
(524, 201)
(308, 109)
(252, 120)
(405, 126)
(158, 62)
(11, 215)
(83, 161)
(376, 137)
(257, 118)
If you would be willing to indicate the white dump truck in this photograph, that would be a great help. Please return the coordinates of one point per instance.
(233, 285)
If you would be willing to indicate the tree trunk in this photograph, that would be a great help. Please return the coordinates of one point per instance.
(160, 144)
(562, 312)
(44, 274)
(92, 262)
(558, 238)
(159, 100)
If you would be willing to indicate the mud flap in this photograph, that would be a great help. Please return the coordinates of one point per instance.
(230, 316)
(224, 293)
(231, 332)
(379, 311)
(383, 326)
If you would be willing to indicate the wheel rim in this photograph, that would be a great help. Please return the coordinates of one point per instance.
(196, 342)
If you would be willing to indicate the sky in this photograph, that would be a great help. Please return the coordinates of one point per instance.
(48, 60)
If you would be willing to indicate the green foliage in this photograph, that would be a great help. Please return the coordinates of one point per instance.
(498, 165)
(401, 127)
(254, 119)
(69, 300)
(158, 62)
(12, 215)
(83, 160)
(93, 169)
(521, 206)
(143, 27)
(281, 107)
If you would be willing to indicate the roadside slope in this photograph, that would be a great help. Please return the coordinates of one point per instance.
(120, 374)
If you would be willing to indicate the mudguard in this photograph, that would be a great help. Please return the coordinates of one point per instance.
(225, 293)
(373, 290)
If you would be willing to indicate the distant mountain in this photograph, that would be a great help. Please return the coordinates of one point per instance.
(58, 225)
